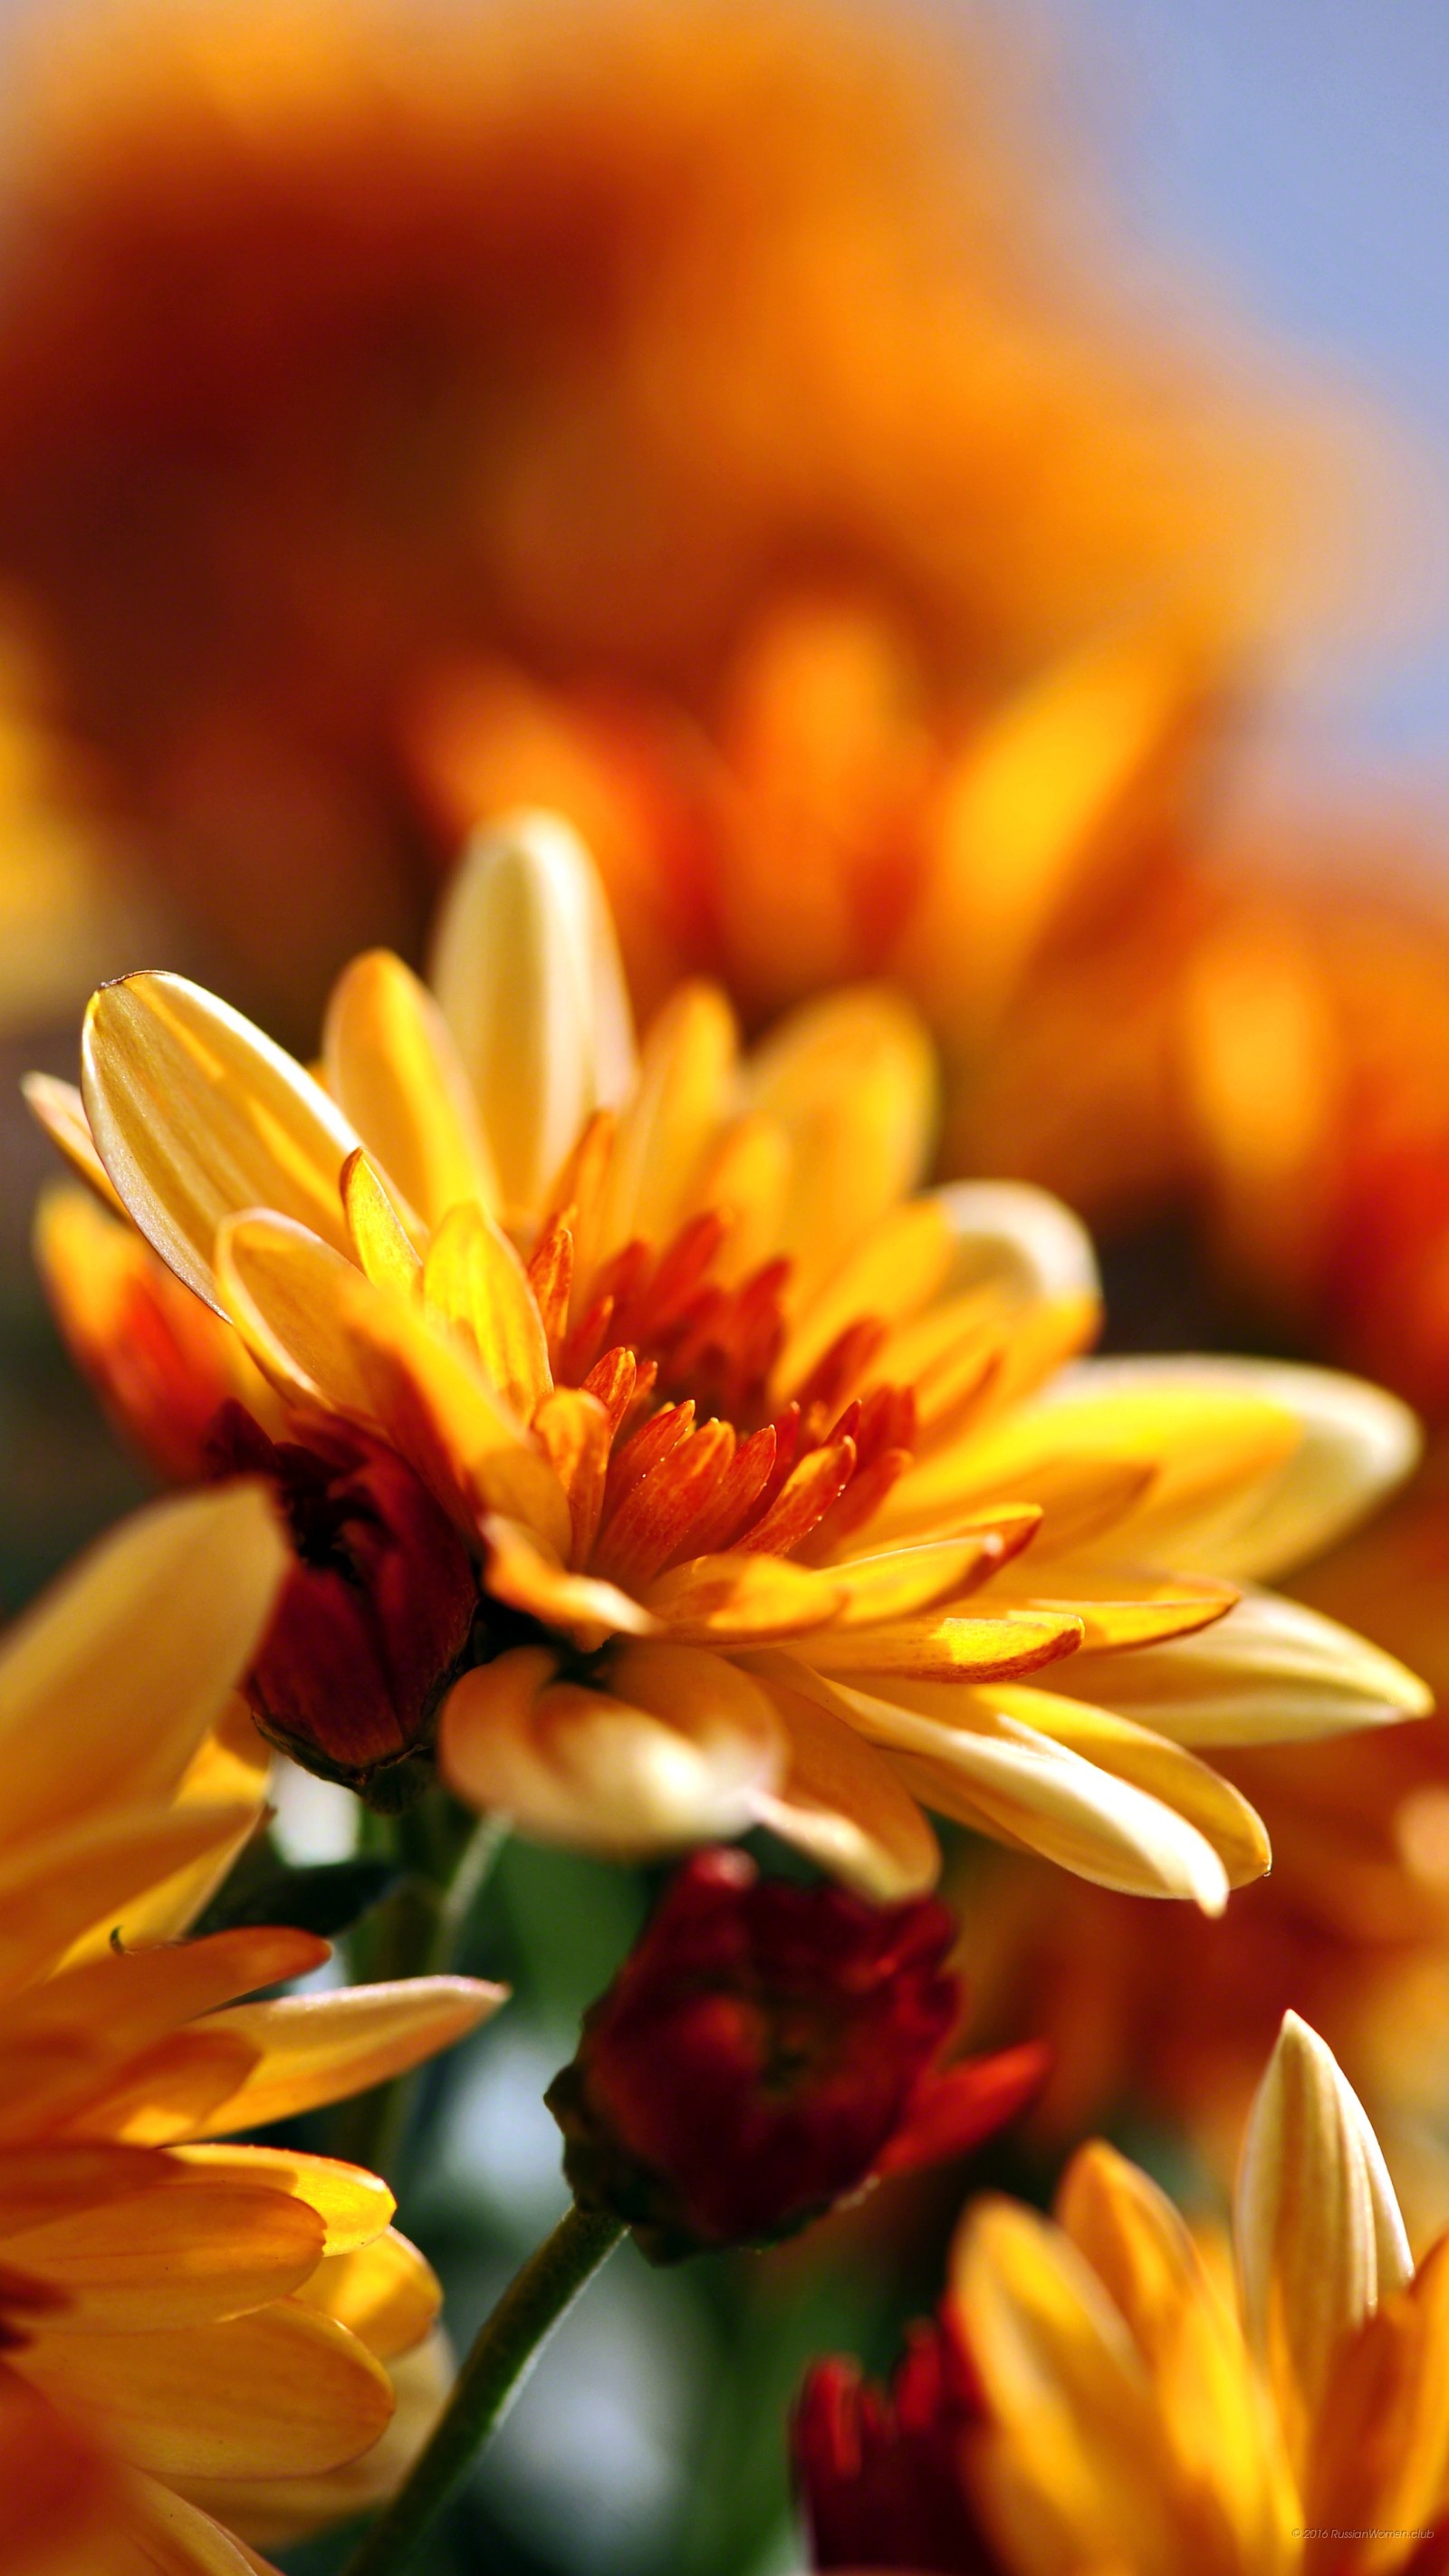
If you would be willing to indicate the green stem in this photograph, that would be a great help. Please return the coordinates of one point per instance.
(508, 2344)
(430, 1921)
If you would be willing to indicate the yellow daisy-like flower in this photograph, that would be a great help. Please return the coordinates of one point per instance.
(779, 1480)
(1142, 2417)
(188, 2329)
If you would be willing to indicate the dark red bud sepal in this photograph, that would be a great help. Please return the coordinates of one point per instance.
(766, 2052)
(375, 1618)
(881, 2474)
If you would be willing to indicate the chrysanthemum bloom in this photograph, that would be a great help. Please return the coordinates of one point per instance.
(380, 390)
(215, 2322)
(1140, 2410)
(777, 1481)
(765, 2052)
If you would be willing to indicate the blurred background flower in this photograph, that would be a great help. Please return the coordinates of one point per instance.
(764, 439)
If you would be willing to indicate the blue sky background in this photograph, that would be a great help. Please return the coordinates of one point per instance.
(1299, 151)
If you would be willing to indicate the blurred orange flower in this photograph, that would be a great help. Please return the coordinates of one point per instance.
(718, 426)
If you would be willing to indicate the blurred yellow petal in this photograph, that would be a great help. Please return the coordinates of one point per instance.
(54, 1891)
(394, 1071)
(108, 1685)
(160, 2259)
(172, 2538)
(527, 972)
(891, 1272)
(280, 2393)
(314, 2049)
(1317, 2228)
(674, 1746)
(60, 1110)
(851, 1079)
(581, 1605)
(684, 1093)
(196, 1116)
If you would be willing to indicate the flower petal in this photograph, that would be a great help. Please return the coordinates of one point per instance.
(314, 2049)
(169, 2258)
(475, 1284)
(684, 1092)
(852, 1080)
(354, 2206)
(394, 1071)
(1271, 1672)
(54, 1891)
(675, 1745)
(942, 1646)
(276, 2394)
(526, 969)
(196, 1116)
(384, 2292)
(108, 1686)
(839, 1800)
(1317, 2227)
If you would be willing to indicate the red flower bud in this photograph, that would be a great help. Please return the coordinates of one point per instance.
(882, 2474)
(374, 1620)
(765, 2052)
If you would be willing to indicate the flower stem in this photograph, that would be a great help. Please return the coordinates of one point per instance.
(428, 1926)
(508, 2344)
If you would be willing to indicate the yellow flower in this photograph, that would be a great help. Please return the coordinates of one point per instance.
(778, 1480)
(1145, 2415)
(215, 2322)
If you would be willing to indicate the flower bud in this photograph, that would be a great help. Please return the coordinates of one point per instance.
(765, 2052)
(375, 1617)
(881, 2473)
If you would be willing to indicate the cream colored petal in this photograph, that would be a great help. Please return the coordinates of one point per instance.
(1356, 1444)
(1270, 1672)
(990, 1770)
(108, 1686)
(674, 1746)
(1018, 1242)
(196, 1116)
(280, 2393)
(1191, 1788)
(394, 1071)
(314, 2049)
(526, 969)
(839, 1800)
(1317, 2227)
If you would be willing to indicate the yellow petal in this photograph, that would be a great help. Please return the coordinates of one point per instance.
(233, 1767)
(738, 1599)
(1220, 1812)
(674, 1746)
(1270, 1672)
(281, 2393)
(941, 1645)
(852, 1081)
(683, 1094)
(577, 1605)
(315, 1324)
(905, 1579)
(839, 1801)
(892, 1271)
(354, 2206)
(375, 1232)
(992, 1771)
(170, 2258)
(170, 2537)
(272, 2511)
(383, 2292)
(196, 1116)
(1317, 2227)
(1117, 1606)
(394, 1071)
(54, 1891)
(314, 2049)
(60, 1110)
(109, 1685)
(527, 972)
(475, 1285)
